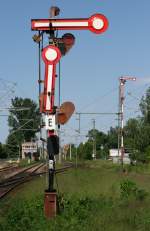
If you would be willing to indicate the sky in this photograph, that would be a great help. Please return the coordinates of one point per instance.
(91, 69)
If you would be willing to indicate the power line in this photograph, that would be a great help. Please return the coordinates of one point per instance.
(97, 113)
(15, 108)
(19, 128)
(100, 98)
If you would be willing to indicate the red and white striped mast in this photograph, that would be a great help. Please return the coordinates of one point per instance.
(51, 55)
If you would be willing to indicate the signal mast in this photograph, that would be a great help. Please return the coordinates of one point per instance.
(51, 55)
(122, 81)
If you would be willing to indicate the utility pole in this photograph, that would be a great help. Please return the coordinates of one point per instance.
(79, 119)
(70, 151)
(91, 113)
(95, 113)
(60, 153)
(122, 81)
(59, 102)
(76, 157)
(94, 141)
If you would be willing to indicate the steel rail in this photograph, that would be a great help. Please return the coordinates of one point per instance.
(7, 168)
(5, 189)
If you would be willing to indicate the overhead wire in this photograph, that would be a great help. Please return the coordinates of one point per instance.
(135, 98)
(99, 98)
(136, 89)
(7, 90)
(106, 95)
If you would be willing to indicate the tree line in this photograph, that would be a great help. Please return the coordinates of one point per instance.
(136, 137)
(24, 121)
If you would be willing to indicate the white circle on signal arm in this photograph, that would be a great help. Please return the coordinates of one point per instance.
(98, 23)
(51, 54)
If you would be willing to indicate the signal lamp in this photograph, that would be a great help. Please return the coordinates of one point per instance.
(37, 38)
(54, 11)
(53, 145)
(65, 43)
(69, 41)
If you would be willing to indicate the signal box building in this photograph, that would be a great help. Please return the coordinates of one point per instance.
(115, 156)
(30, 151)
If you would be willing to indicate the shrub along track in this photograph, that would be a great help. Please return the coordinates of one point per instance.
(27, 174)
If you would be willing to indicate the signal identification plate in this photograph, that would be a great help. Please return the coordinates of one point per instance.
(50, 123)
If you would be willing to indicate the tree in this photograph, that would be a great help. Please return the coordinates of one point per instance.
(145, 106)
(3, 152)
(132, 132)
(85, 150)
(81, 150)
(137, 132)
(144, 142)
(100, 137)
(23, 119)
(147, 154)
(113, 137)
(12, 145)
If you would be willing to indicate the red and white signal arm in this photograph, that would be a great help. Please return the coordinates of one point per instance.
(51, 56)
(97, 23)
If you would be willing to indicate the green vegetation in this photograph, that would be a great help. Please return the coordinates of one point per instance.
(136, 133)
(26, 163)
(96, 196)
(23, 122)
(136, 137)
(129, 189)
(3, 151)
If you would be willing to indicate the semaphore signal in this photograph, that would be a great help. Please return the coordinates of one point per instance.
(51, 55)
(97, 23)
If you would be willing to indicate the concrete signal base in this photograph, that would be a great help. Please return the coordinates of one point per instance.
(50, 204)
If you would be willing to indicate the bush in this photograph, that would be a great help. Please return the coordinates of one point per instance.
(129, 189)
(79, 213)
(141, 194)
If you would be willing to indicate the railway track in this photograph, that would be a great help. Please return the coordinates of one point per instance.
(7, 168)
(26, 175)
(17, 179)
(12, 171)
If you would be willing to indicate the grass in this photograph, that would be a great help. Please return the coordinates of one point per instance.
(91, 202)
(26, 163)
